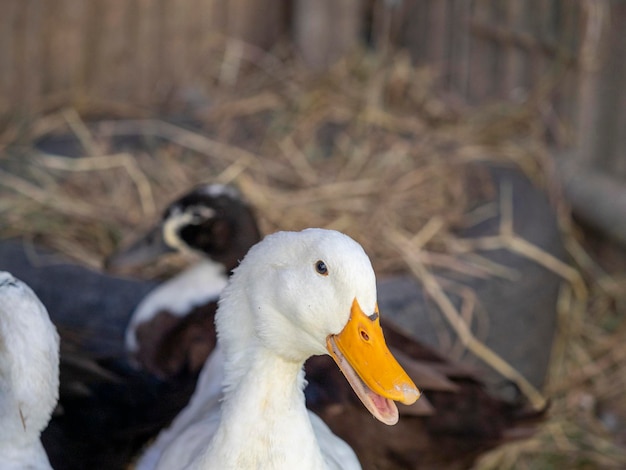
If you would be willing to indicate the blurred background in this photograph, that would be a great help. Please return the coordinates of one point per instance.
(473, 147)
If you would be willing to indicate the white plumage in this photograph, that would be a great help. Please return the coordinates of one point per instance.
(249, 410)
(29, 375)
(197, 285)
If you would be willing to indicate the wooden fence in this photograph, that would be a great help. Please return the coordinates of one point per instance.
(54, 52)
(142, 52)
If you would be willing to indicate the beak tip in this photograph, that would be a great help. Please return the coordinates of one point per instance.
(410, 394)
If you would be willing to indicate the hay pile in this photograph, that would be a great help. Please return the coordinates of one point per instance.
(369, 149)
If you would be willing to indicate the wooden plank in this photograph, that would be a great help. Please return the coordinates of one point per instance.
(27, 84)
(460, 67)
(203, 23)
(540, 17)
(325, 30)
(496, 52)
(209, 33)
(103, 72)
(51, 17)
(148, 54)
(417, 30)
(609, 146)
(92, 44)
(481, 57)
(513, 82)
(64, 56)
(387, 24)
(263, 22)
(7, 55)
(565, 97)
(437, 24)
(165, 63)
(593, 48)
(129, 31)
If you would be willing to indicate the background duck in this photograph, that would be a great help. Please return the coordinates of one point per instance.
(294, 295)
(214, 221)
(29, 375)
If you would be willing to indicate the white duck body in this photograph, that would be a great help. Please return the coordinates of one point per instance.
(276, 312)
(29, 375)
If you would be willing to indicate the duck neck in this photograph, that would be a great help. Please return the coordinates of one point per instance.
(264, 420)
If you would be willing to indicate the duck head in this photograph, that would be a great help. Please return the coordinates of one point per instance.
(311, 293)
(212, 219)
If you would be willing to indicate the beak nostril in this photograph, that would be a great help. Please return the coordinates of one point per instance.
(364, 335)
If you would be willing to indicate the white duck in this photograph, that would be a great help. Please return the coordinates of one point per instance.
(29, 375)
(295, 295)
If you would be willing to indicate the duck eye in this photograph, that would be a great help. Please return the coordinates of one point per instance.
(321, 268)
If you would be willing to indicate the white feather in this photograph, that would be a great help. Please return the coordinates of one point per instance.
(248, 410)
(29, 375)
(195, 286)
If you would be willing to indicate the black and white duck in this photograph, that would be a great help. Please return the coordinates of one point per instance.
(108, 409)
(212, 220)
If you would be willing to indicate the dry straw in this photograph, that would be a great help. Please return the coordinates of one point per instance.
(368, 149)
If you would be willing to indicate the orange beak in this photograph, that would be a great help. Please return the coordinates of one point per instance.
(362, 355)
